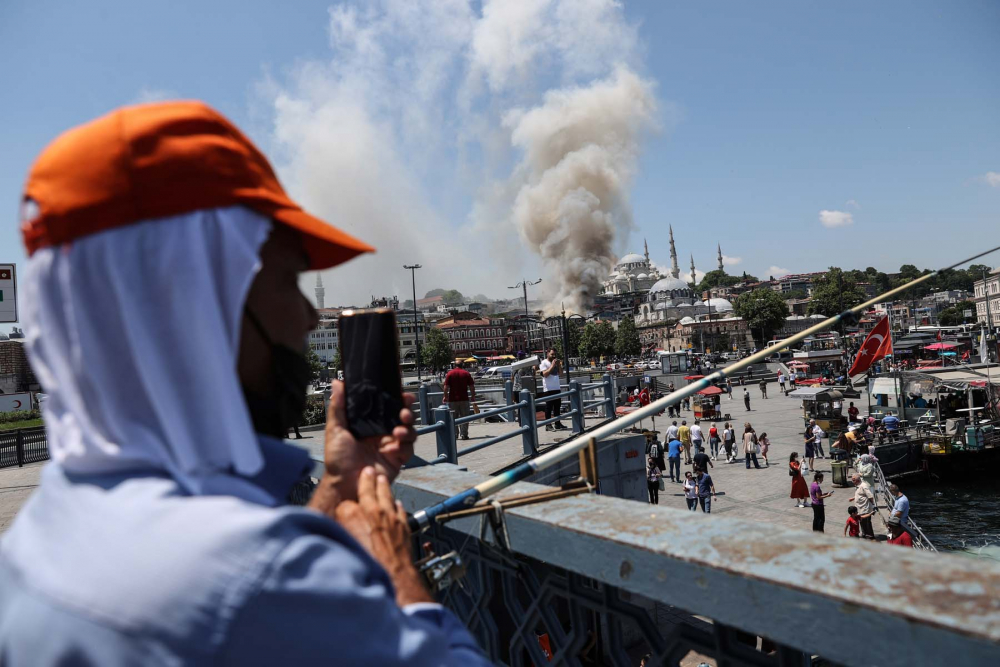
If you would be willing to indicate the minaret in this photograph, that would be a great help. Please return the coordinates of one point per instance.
(675, 269)
(645, 245)
(320, 292)
(721, 268)
(694, 276)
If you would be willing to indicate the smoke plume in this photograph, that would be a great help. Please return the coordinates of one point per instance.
(445, 131)
(580, 154)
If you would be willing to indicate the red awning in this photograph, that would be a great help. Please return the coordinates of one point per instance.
(940, 346)
(710, 391)
(693, 377)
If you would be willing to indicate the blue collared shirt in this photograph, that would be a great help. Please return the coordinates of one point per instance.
(131, 570)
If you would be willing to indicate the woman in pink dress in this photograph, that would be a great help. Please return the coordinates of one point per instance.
(799, 489)
(764, 445)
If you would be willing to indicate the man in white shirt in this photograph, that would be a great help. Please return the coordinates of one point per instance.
(781, 381)
(551, 367)
(696, 437)
(672, 432)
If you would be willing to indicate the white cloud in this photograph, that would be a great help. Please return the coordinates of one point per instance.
(853, 203)
(731, 261)
(836, 218)
(992, 178)
(777, 271)
(686, 276)
(407, 134)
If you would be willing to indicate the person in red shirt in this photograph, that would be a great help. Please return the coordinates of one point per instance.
(459, 393)
(713, 442)
(897, 534)
(853, 526)
(852, 413)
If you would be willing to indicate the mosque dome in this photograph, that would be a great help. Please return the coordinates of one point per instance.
(687, 320)
(642, 276)
(719, 305)
(632, 258)
(669, 284)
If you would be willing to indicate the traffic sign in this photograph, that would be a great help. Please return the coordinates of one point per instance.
(8, 293)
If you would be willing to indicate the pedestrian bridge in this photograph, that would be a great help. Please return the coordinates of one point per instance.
(600, 580)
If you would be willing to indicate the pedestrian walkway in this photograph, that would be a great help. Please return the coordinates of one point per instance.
(763, 495)
(16, 484)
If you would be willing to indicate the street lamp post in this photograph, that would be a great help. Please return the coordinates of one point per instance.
(523, 285)
(412, 268)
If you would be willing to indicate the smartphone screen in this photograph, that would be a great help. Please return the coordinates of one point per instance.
(370, 355)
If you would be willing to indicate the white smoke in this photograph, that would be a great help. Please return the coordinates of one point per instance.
(580, 154)
(429, 133)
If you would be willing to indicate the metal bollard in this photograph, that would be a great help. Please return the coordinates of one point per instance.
(576, 405)
(19, 445)
(508, 393)
(529, 439)
(609, 397)
(446, 440)
(425, 410)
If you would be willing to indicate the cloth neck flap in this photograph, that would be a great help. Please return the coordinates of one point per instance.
(134, 334)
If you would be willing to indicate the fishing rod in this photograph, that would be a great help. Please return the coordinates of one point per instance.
(472, 495)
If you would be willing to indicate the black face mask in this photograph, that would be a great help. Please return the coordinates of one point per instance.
(281, 407)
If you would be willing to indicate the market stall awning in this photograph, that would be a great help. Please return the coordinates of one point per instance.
(943, 345)
(817, 394)
(884, 386)
(799, 364)
(693, 377)
(710, 391)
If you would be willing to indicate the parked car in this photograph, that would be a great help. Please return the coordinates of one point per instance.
(653, 365)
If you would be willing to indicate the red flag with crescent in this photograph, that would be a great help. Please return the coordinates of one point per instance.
(876, 345)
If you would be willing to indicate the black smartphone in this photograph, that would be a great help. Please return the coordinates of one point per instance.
(372, 384)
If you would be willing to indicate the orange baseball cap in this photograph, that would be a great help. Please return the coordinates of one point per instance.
(158, 160)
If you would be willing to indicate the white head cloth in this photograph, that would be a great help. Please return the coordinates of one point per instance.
(134, 334)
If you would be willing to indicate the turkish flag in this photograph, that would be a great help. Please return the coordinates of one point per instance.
(939, 334)
(876, 345)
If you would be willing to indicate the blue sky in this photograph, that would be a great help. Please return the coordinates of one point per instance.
(770, 114)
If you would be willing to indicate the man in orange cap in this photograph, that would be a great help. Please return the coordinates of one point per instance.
(163, 318)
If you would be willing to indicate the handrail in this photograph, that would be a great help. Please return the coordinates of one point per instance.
(445, 424)
(921, 541)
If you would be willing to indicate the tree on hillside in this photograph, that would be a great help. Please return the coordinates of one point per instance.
(435, 351)
(434, 292)
(833, 290)
(316, 365)
(452, 297)
(606, 336)
(573, 336)
(763, 310)
(955, 315)
(627, 343)
(597, 340)
(717, 278)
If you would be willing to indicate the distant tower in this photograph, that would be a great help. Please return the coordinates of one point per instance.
(675, 269)
(694, 276)
(646, 246)
(320, 292)
(721, 268)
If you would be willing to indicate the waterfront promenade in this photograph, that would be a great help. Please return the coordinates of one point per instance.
(758, 496)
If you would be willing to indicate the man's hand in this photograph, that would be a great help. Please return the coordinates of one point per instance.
(344, 457)
(379, 525)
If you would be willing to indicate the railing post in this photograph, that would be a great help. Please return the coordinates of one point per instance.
(529, 422)
(425, 410)
(19, 445)
(446, 442)
(576, 405)
(609, 396)
(508, 392)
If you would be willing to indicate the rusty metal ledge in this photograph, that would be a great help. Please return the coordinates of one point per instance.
(849, 601)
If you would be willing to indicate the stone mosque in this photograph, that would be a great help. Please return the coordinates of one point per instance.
(668, 297)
